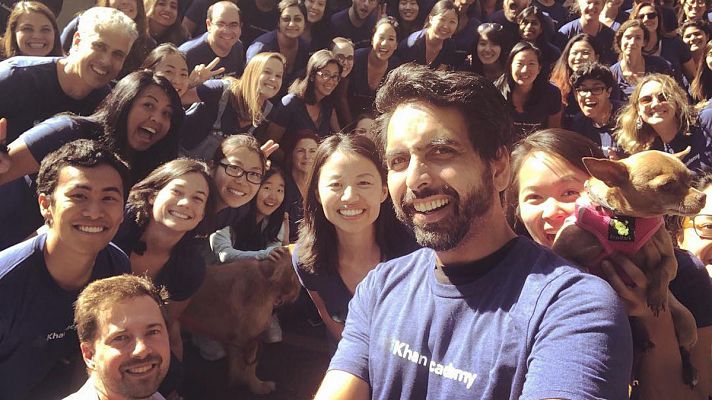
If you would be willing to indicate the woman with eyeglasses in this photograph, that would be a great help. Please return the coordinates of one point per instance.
(433, 45)
(693, 10)
(664, 43)
(228, 106)
(632, 64)
(535, 27)
(533, 101)
(695, 234)
(547, 179)
(489, 55)
(659, 117)
(580, 50)
(371, 66)
(286, 40)
(310, 103)
(696, 34)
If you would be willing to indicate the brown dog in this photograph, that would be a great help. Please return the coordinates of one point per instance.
(234, 305)
(628, 199)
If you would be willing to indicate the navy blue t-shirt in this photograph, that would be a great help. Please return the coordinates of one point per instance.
(37, 316)
(532, 327)
(268, 43)
(18, 200)
(465, 40)
(256, 22)
(604, 39)
(341, 26)
(36, 94)
(675, 51)
(292, 114)
(181, 275)
(653, 64)
(603, 136)
(510, 27)
(699, 139)
(360, 95)
(536, 111)
(413, 48)
(198, 51)
(197, 12)
(693, 287)
(559, 14)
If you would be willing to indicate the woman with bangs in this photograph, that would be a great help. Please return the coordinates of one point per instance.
(701, 87)
(310, 102)
(31, 31)
(663, 43)
(535, 27)
(163, 215)
(371, 65)
(407, 16)
(489, 55)
(582, 49)
(659, 117)
(547, 180)
(696, 34)
(433, 45)
(632, 63)
(347, 227)
(142, 46)
(534, 102)
(228, 106)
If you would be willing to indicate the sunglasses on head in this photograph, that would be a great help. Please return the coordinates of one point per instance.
(489, 25)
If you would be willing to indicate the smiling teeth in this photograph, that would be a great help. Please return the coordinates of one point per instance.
(90, 229)
(99, 71)
(36, 45)
(351, 212)
(430, 205)
(179, 215)
(140, 370)
(236, 192)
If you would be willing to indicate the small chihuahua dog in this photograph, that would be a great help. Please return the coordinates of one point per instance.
(623, 211)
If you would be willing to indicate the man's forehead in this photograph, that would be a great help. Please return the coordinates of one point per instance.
(100, 177)
(418, 125)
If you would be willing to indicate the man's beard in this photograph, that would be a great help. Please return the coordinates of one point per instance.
(447, 233)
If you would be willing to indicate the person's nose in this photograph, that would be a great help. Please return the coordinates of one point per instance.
(418, 175)
(553, 210)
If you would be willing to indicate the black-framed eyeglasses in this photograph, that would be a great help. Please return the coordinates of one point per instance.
(328, 77)
(236, 172)
(647, 99)
(702, 223)
(342, 58)
(593, 90)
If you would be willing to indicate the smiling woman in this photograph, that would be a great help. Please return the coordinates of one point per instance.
(31, 31)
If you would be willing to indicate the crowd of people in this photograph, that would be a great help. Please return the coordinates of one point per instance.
(417, 157)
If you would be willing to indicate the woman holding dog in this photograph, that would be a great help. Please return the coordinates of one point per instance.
(659, 117)
(548, 177)
(343, 234)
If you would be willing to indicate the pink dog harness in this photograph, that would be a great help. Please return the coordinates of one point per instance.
(615, 232)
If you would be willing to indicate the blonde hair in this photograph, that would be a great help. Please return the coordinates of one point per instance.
(245, 91)
(633, 134)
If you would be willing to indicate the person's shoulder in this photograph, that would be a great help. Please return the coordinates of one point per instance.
(416, 263)
(16, 256)
(113, 257)
(290, 100)
(552, 91)
(15, 67)
(413, 38)
(340, 17)
(361, 53)
(570, 27)
(194, 44)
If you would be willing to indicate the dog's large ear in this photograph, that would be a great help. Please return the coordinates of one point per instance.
(612, 173)
(680, 155)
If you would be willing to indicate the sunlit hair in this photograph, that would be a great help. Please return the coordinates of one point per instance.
(100, 295)
(662, 30)
(235, 142)
(701, 87)
(304, 87)
(245, 99)
(160, 53)
(341, 42)
(140, 20)
(440, 8)
(143, 194)
(222, 4)
(563, 144)
(97, 20)
(10, 47)
(618, 38)
(634, 140)
(561, 73)
(318, 241)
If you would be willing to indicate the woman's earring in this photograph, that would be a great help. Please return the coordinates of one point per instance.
(639, 123)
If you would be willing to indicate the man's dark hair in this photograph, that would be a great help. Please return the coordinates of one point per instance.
(593, 71)
(489, 124)
(79, 153)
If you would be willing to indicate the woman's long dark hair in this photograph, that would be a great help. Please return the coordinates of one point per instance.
(113, 113)
(506, 83)
(493, 32)
(701, 87)
(247, 235)
(317, 236)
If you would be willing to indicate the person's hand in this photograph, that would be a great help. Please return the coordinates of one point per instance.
(634, 295)
(382, 10)
(267, 149)
(285, 229)
(4, 156)
(276, 253)
(202, 72)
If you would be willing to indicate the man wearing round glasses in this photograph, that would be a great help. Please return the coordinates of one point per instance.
(593, 85)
